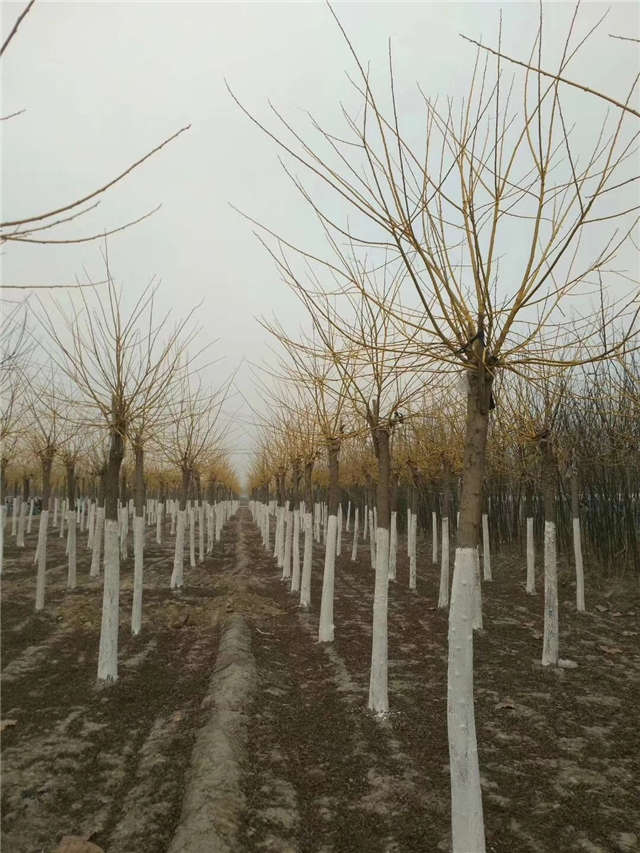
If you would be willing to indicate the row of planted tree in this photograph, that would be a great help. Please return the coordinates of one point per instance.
(107, 422)
(473, 322)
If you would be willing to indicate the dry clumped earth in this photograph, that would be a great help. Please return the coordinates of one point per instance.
(559, 748)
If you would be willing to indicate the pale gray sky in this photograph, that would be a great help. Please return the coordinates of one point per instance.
(103, 82)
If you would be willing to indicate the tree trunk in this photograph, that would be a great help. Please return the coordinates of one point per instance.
(46, 460)
(177, 576)
(326, 628)
(577, 540)
(550, 643)
(71, 524)
(108, 653)
(138, 540)
(467, 822)
(531, 552)
(378, 688)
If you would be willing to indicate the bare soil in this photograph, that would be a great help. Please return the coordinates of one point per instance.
(559, 748)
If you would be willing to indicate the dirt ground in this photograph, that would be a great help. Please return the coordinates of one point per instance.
(559, 749)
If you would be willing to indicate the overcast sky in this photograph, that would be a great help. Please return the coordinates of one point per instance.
(103, 82)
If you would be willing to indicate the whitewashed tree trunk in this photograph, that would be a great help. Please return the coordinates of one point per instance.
(550, 642)
(42, 559)
(30, 518)
(365, 528)
(192, 536)
(71, 550)
(91, 523)
(531, 558)
(295, 571)
(372, 540)
(354, 546)
(138, 573)
(62, 518)
(486, 548)
(177, 576)
(14, 517)
(477, 597)
(201, 532)
(159, 511)
(434, 538)
(378, 687)
(348, 516)
(339, 534)
(577, 551)
(108, 654)
(393, 546)
(443, 595)
(172, 529)
(288, 539)
(413, 556)
(305, 584)
(55, 512)
(326, 630)
(266, 529)
(466, 796)
(96, 547)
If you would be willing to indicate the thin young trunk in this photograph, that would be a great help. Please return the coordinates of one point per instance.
(467, 823)
(486, 548)
(531, 557)
(339, 534)
(305, 583)
(71, 524)
(354, 546)
(443, 594)
(295, 571)
(288, 541)
(577, 541)
(434, 538)
(108, 653)
(46, 458)
(378, 678)
(177, 576)
(550, 642)
(138, 540)
(326, 627)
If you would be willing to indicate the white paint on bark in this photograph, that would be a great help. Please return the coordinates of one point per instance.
(138, 573)
(486, 548)
(354, 545)
(108, 653)
(577, 552)
(443, 595)
(378, 678)
(467, 823)
(325, 628)
(305, 584)
(42, 559)
(393, 545)
(96, 547)
(71, 550)
(434, 538)
(413, 556)
(531, 558)
(295, 562)
(177, 576)
(550, 641)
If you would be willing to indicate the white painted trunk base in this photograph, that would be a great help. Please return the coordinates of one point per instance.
(42, 559)
(96, 547)
(443, 595)
(467, 823)
(71, 550)
(138, 573)
(177, 576)
(486, 548)
(305, 583)
(378, 678)
(108, 653)
(434, 538)
(354, 545)
(550, 641)
(413, 554)
(577, 552)
(326, 628)
(393, 546)
(295, 566)
(531, 558)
